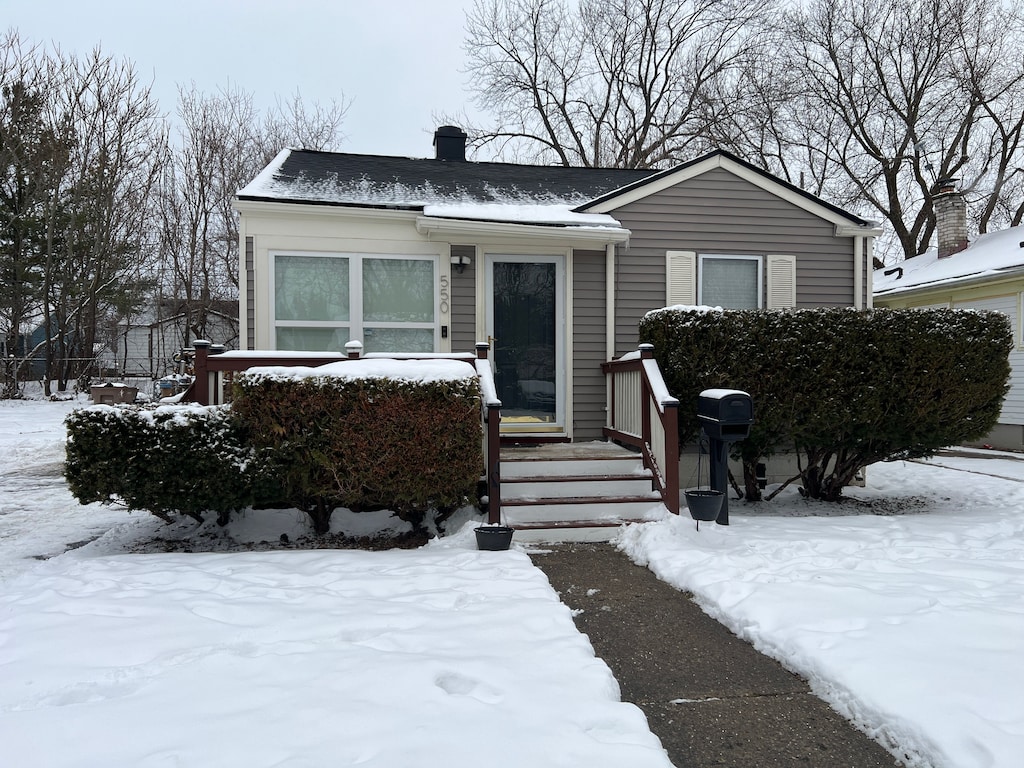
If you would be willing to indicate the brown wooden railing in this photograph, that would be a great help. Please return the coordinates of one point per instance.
(642, 414)
(490, 414)
(215, 369)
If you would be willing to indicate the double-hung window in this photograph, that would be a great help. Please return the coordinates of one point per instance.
(322, 301)
(730, 282)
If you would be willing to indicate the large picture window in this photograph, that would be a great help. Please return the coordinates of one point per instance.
(322, 301)
(730, 282)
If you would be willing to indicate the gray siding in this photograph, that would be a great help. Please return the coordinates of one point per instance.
(588, 350)
(718, 212)
(463, 302)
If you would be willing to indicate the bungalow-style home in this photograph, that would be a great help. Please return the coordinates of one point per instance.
(986, 273)
(553, 266)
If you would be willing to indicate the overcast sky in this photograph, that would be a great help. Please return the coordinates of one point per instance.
(399, 62)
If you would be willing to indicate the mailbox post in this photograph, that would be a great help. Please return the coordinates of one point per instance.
(725, 416)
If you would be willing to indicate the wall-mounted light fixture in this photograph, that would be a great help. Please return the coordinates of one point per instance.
(460, 263)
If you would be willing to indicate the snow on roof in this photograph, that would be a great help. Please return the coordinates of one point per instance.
(363, 191)
(370, 368)
(335, 178)
(521, 213)
(265, 177)
(990, 254)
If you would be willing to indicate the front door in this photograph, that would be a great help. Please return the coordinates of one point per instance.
(525, 325)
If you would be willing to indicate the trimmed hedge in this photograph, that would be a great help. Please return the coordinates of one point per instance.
(844, 387)
(366, 443)
(172, 459)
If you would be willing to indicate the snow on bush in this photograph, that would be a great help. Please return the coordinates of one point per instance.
(173, 459)
(845, 388)
(405, 436)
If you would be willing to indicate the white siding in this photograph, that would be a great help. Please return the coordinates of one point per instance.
(1013, 405)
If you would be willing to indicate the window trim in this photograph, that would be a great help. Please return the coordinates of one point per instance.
(759, 260)
(356, 325)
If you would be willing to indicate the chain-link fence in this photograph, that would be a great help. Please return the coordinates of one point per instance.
(27, 376)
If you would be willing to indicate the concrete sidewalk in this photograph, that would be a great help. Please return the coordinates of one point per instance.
(709, 696)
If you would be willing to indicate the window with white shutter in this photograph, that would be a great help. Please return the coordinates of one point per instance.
(729, 282)
(681, 278)
(781, 281)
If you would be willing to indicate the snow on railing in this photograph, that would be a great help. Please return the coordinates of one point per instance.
(642, 414)
(490, 414)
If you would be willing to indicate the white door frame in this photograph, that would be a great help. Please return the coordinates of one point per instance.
(559, 426)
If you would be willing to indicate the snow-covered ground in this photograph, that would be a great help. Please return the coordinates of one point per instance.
(441, 656)
(909, 622)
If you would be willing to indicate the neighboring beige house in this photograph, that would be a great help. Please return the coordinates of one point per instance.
(554, 266)
(988, 274)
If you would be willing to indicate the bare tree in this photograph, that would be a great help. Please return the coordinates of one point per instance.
(97, 207)
(624, 83)
(98, 246)
(900, 93)
(224, 141)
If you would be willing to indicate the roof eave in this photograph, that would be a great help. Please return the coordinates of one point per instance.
(849, 224)
(954, 283)
(477, 229)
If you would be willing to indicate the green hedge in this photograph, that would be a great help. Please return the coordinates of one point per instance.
(172, 459)
(844, 388)
(367, 443)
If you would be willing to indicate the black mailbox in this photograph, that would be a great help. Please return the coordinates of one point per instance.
(725, 414)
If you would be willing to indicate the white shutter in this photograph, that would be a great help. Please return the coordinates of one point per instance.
(680, 278)
(781, 282)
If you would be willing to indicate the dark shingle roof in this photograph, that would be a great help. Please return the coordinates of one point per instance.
(378, 180)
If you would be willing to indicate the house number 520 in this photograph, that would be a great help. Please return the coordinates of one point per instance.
(443, 295)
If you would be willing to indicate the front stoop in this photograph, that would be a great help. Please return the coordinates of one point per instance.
(575, 491)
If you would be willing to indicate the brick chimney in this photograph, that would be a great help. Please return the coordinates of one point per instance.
(950, 217)
(450, 143)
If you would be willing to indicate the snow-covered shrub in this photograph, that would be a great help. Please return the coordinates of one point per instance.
(844, 388)
(375, 442)
(172, 459)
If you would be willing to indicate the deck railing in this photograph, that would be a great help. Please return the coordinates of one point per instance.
(490, 415)
(642, 414)
(215, 369)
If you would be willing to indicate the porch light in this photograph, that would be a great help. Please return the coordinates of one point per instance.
(460, 263)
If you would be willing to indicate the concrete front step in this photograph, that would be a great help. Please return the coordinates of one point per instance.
(572, 510)
(575, 492)
(583, 529)
(629, 464)
(602, 486)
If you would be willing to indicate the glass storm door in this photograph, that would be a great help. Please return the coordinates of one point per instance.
(526, 328)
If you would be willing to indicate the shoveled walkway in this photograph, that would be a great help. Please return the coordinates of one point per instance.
(709, 696)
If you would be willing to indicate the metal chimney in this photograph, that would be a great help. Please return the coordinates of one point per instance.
(450, 143)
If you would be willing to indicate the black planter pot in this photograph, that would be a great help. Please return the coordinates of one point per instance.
(494, 537)
(703, 504)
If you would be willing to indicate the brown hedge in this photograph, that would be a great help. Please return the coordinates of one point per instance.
(370, 443)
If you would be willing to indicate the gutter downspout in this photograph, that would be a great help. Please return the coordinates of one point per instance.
(858, 273)
(609, 324)
(609, 300)
(870, 253)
